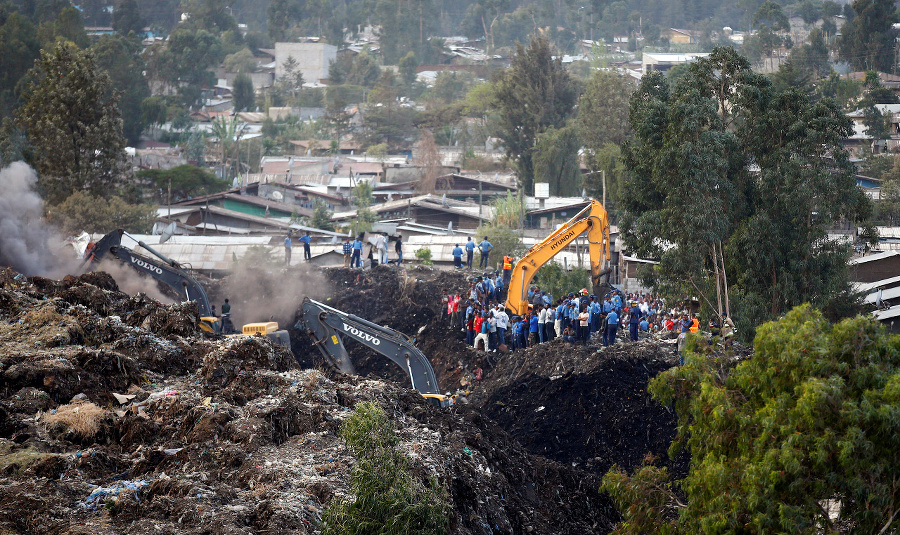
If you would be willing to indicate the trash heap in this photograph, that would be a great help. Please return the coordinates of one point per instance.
(581, 405)
(118, 416)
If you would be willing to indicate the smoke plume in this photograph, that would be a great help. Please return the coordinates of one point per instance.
(25, 240)
(260, 293)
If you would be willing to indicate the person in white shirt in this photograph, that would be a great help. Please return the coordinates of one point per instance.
(381, 248)
(502, 324)
(542, 324)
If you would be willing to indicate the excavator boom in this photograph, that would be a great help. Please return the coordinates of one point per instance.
(165, 271)
(327, 326)
(594, 221)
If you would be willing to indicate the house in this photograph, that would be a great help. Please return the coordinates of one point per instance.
(550, 217)
(875, 267)
(890, 318)
(452, 186)
(678, 37)
(860, 138)
(664, 61)
(235, 201)
(313, 59)
(312, 147)
(428, 210)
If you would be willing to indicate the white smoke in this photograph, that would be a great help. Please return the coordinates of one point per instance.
(25, 240)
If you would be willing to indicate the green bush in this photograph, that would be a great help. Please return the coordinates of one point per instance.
(424, 256)
(387, 498)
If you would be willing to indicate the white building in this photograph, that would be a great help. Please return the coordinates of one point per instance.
(312, 59)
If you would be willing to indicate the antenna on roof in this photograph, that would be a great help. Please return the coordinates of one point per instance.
(167, 232)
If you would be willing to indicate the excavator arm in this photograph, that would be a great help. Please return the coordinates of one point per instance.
(164, 270)
(327, 326)
(592, 220)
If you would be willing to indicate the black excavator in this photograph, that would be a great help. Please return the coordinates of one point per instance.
(173, 275)
(327, 326)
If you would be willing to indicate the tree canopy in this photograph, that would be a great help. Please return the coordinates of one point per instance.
(72, 120)
(180, 183)
(754, 237)
(803, 428)
(534, 94)
(867, 41)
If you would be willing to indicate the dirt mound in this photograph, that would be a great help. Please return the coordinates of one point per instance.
(587, 406)
(583, 405)
(116, 416)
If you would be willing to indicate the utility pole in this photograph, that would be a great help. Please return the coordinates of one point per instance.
(603, 171)
(480, 190)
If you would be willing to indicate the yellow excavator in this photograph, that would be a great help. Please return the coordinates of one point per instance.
(593, 221)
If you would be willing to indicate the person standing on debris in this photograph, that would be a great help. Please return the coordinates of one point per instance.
(612, 325)
(380, 248)
(287, 250)
(457, 256)
(305, 239)
(355, 260)
(549, 331)
(470, 252)
(484, 328)
(454, 311)
(727, 330)
(398, 248)
(584, 322)
(486, 249)
(492, 334)
(533, 325)
(507, 271)
(348, 251)
(542, 322)
(502, 325)
(634, 320)
(470, 325)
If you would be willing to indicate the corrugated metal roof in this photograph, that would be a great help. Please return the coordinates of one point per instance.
(891, 313)
(872, 257)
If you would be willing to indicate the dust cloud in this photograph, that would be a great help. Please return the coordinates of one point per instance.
(260, 293)
(26, 241)
(131, 282)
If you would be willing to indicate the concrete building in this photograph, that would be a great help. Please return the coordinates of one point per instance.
(312, 59)
(664, 61)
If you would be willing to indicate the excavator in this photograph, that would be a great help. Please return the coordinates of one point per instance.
(593, 221)
(173, 275)
(327, 326)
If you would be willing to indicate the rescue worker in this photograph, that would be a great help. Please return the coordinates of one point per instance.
(612, 326)
(287, 249)
(457, 256)
(305, 240)
(470, 251)
(507, 273)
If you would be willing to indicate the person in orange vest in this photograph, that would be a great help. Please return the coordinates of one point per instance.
(507, 273)
(695, 324)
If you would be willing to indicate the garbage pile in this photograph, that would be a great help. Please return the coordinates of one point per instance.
(581, 405)
(118, 416)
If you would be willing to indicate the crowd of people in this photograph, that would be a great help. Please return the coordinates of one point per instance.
(577, 317)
